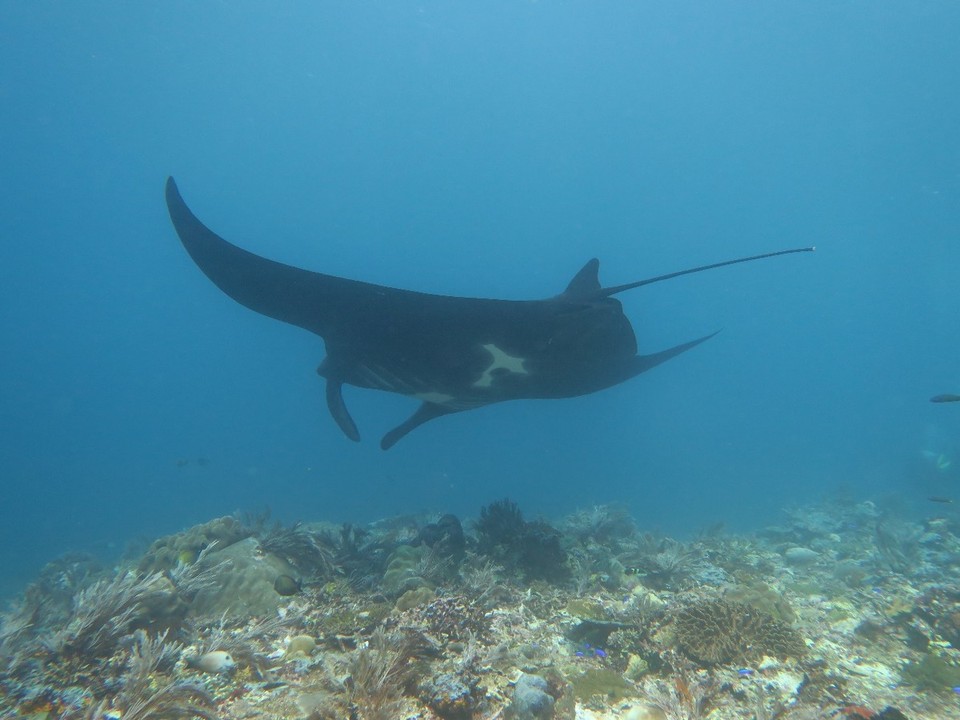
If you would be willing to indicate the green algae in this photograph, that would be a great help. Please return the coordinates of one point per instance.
(762, 597)
(608, 684)
(402, 570)
(414, 598)
(586, 609)
(932, 672)
(805, 588)
(350, 621)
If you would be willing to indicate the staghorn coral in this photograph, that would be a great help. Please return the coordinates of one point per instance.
(715, 632)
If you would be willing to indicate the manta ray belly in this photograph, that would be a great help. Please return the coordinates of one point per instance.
(501, 362)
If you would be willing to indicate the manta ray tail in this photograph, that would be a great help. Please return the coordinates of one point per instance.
(608, 291)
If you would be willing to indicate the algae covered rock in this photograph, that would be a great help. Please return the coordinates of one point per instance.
(801, 556)
(531, 699)
(412, 598)
(764, 598)
(185, 547)
(242, 582)
(403, 570)
(452, 696)
(604, 683)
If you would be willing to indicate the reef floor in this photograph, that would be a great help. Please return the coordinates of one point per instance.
(838, 612)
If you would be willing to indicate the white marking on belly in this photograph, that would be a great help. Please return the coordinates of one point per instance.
(437, 398)
(501, 361)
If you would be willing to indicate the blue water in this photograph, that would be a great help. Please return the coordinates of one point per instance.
(483, 149)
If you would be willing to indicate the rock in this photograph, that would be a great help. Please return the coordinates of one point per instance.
(801, 556)
(244, 586)
(531, 699)
(300, 646)
(451, 696)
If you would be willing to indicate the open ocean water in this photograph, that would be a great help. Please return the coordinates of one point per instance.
(478, 149)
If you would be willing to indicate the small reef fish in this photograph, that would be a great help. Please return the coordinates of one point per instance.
(217, 661)
(286, 585)
(946, 397)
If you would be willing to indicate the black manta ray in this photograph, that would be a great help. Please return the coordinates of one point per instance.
(451, 353)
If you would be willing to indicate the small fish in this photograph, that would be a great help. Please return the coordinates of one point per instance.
(599, 653)
(286, 585)
(946, 397)
(744, 672)
(940, 499)
(218, 661)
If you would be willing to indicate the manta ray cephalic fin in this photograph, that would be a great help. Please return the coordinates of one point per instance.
(426, 412)
(338, 409)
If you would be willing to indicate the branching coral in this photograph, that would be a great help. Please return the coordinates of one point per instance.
(684, 699)
(202, 574)
(362, 559)
(174, 701)
(716, 632)
(449, 618)
(533, 548)
(148, 655)
(240, 642)
(662, 562)
(15, 626)
(501, 524)
(378, 673)
(897, 544)
(110, 609)
(604, 524)
(309, 552)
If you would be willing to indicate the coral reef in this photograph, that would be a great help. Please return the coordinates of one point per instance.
(310, 553)
(185, 547)
(718, 631)
(586, 619)
(531, 548)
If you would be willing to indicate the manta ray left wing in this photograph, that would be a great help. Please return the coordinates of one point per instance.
(451, 353)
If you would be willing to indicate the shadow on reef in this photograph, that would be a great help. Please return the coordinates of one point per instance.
(501, 617)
